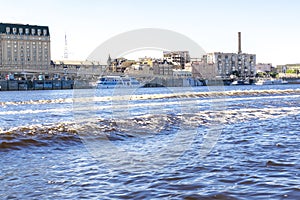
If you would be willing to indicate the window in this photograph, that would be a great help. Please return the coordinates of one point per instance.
(14, 30)
(44, 32)
(32, 31)
(21, 31)
(7, 30)
(27, 31)
(39, 32)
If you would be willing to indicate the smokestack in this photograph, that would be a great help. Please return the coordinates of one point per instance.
(240, 43)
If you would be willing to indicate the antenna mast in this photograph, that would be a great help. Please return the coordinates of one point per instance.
(66, 48)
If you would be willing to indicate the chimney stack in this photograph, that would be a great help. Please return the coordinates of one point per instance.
(240, 45)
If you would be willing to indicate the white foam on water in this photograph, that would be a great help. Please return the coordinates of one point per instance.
(155, 96)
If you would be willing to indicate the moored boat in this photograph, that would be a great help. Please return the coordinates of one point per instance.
(270, 81)
(240, 82)
(117, 81)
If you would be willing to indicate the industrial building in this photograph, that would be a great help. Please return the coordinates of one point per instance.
(226, 65)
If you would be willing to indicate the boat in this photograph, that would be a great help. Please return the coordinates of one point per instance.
(271, 81)
(117, 82)
(240, 82)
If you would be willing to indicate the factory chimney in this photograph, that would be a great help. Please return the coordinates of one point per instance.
(240, 45)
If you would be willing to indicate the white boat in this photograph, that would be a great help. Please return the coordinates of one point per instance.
(240, 82)
(271, 82)
(117, 82)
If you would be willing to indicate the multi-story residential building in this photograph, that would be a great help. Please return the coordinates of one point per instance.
(177, 58)
(24, 47)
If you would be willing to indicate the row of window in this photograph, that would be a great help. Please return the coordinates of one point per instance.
(9, 54)
(21, 42)
(27, 31)
(27, 47)
(34, 59)
(26, 37)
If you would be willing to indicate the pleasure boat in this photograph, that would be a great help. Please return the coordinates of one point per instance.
(117, 81)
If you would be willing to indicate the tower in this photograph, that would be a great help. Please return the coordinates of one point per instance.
(239, 43)
(109, 60)
(66, 48)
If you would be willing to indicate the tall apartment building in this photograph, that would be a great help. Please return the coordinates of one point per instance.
(24, 47)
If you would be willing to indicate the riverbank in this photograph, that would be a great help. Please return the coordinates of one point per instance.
(20, 85)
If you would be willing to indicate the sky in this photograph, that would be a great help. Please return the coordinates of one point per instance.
(270, 28)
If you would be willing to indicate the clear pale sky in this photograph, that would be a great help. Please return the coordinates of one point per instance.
(270, 28)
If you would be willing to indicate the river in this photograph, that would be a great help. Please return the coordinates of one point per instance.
(230, 142)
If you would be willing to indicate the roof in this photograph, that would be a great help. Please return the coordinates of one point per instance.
(11, 26)
(75, 62)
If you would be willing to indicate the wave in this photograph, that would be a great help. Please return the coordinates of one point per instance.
(144, 125)
(37, 135)
(126, 97)
(48, 101)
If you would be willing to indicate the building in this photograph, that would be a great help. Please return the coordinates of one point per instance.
(182, 73)
(117, 64)
(203, 70)
(177, 58)
(226, 65)
(163, 68)
(239, 64)
(264, 67)
(24, 48)
(69, 69)
(146, 61)
(288, 68)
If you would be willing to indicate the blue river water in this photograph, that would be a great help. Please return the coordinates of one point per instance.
(230, 142)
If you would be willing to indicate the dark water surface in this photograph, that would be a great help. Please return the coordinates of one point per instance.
(157, 143)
